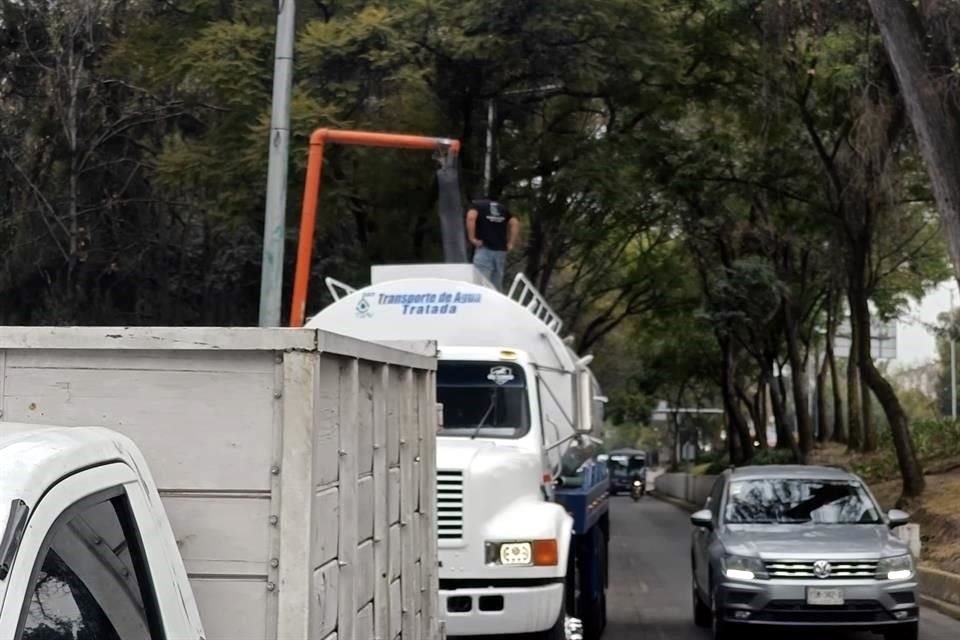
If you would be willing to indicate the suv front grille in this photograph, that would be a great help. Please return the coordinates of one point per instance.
(449, 505)
(839, 570)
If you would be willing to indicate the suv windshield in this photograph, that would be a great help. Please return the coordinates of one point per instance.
(483, 399)
(793, 501)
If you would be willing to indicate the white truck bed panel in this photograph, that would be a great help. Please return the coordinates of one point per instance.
(179, 409)
(287, 461)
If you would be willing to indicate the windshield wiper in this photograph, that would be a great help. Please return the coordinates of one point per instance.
(486, 415)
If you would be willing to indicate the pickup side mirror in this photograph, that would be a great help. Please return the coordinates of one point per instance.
(702, 519)
(897, 518)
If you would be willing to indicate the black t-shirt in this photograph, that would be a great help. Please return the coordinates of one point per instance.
(492, 222)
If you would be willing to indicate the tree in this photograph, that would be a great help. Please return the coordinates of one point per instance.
(917, 38)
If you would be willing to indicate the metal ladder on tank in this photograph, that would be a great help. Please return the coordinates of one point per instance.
(338, 289)
(524, 293)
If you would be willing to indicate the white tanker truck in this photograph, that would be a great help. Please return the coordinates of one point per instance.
(522, 536)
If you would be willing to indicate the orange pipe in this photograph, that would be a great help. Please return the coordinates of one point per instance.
(311, 194)
(376, 139)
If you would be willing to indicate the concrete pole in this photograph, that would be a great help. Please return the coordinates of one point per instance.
(274, 223)
(488, 157)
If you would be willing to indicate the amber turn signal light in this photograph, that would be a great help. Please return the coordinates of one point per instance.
(545, 553)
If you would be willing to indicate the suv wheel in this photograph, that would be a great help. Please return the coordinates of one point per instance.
(702, 616)
(909, 631)
(722, 630)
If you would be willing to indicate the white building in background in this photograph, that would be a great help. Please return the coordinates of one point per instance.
(922, 377)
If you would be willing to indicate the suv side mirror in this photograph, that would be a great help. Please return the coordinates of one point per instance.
(897, 518)
(702, 519)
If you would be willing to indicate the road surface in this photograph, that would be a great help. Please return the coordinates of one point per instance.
(649, 596)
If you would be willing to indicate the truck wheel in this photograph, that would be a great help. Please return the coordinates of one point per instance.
(556, 632)
(593, 597)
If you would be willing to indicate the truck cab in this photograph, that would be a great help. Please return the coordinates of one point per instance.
(515, 399)
(86, 549)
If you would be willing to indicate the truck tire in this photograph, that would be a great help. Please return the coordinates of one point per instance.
(557, 632)
(593, 596)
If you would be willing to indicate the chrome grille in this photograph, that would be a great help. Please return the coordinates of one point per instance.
(839, 570)
(449, 505)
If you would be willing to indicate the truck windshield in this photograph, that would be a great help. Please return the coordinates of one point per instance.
(620, 465)
(793, 501)
(483, 399)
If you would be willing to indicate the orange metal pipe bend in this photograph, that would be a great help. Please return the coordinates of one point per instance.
(311, 194)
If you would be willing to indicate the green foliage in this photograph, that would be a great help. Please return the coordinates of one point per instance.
(935, 440)
(632, 436)
(773, 456)
(697, 181)
(760, 458)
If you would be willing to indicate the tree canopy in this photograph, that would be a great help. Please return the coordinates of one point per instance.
(709, 189)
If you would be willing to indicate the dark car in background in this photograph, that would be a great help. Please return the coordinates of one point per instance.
(626, 465)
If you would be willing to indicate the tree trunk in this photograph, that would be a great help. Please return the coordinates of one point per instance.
(785, 438)
(935, 116)
(863, 333)
(760, 411)
(752, 408)
(798, 380)
(870, 435)
(824, 425)
(910, 470)
(854, 414)
(839, 427)
(731, 403)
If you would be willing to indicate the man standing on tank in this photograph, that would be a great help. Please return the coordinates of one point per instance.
(493, 231)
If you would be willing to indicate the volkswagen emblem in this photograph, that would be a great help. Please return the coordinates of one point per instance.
(822, 569)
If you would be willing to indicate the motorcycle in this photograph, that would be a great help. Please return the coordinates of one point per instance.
(637, 490)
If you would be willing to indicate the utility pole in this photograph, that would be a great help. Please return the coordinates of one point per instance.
(543, 92)
(274, 223)
(953, 360)
(488, 159)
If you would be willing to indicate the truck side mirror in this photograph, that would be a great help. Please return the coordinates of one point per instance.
(584, 400)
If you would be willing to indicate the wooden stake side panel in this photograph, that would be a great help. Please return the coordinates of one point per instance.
(376, 512)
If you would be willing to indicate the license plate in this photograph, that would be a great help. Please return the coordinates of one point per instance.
(824, 597)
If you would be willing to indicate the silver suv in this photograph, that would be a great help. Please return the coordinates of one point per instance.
(800, 546)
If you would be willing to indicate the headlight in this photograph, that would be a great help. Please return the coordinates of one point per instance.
(899, 568)
(533, 553)
(743, 568)
(636, 483)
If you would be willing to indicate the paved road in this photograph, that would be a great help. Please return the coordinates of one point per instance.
(649, 595)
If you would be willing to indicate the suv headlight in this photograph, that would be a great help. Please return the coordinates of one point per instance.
(744, 568)
(898, 568)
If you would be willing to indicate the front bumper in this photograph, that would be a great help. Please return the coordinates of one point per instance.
(867, 604)
(477, 611)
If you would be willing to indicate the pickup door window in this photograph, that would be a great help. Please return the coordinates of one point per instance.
(88, 581)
